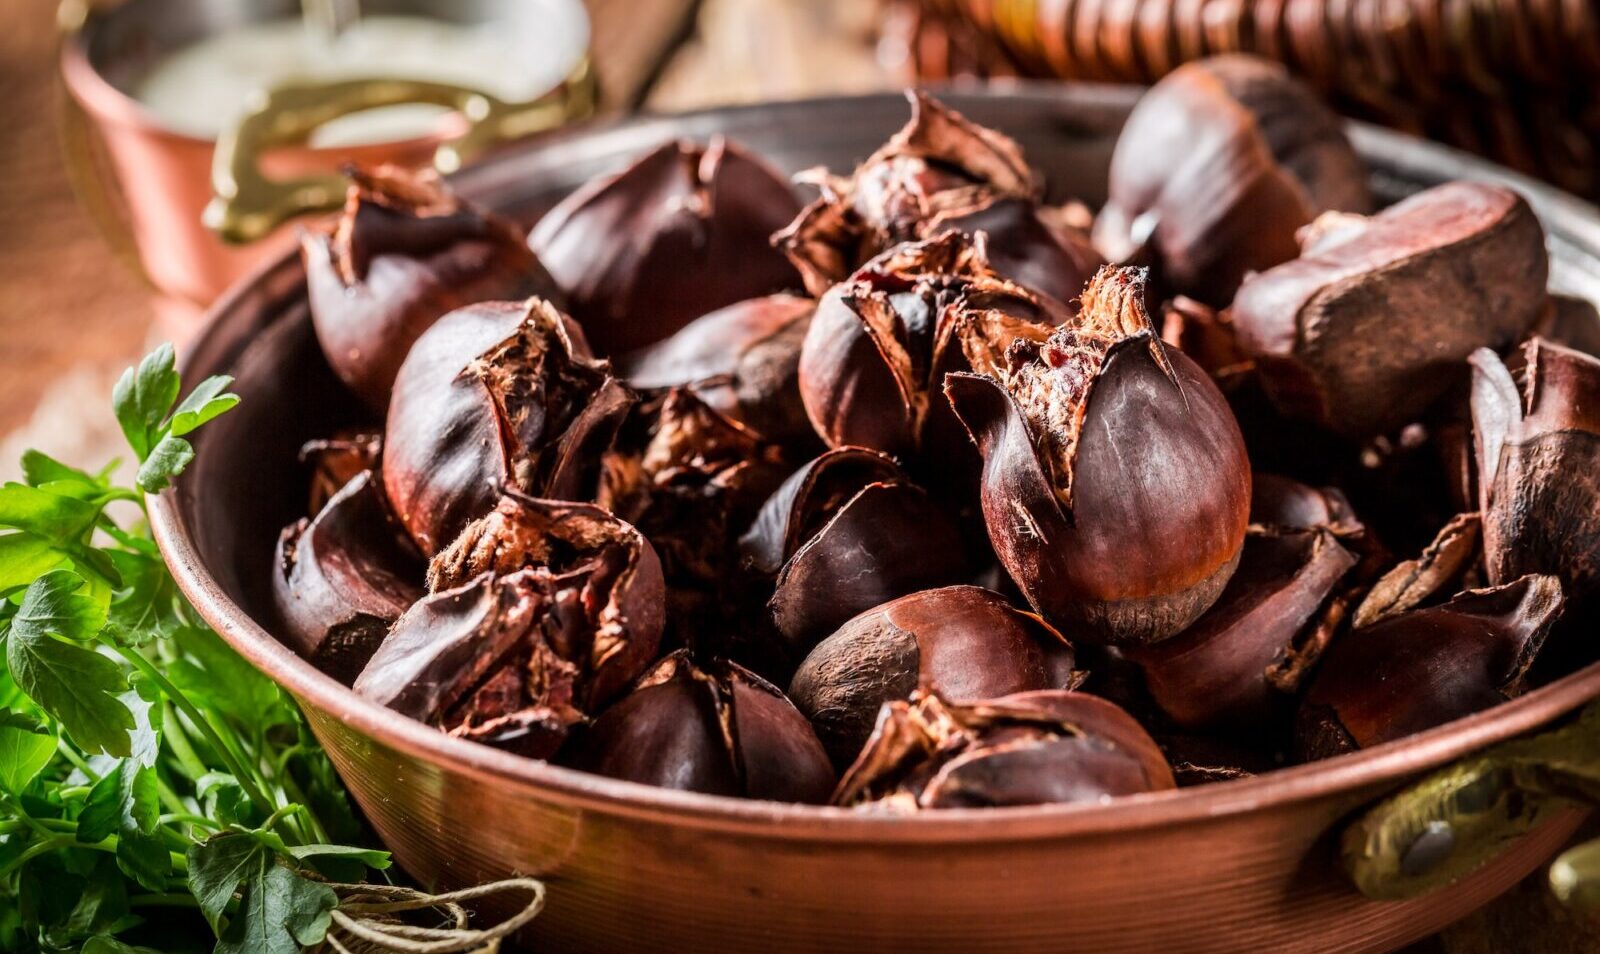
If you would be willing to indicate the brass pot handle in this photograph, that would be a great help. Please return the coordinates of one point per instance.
(248, 205)
(1437, 830)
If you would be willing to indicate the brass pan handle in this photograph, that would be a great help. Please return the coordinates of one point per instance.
(1443, 827)
(248, 205)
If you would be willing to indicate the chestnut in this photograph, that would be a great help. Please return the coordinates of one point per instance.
(1216, 167)
(539, 614)
(339, 580)
(1030, 748)
(881, 343)
(841, 535)
(940, 172)
(1570, 322)
(963, 642)
(405, 252)
(708, 726)
(1537, 443)
(742, 360)
(1116, 490)
(1374, 319)
(335, 461)
(680, 232)
(1423, 668)
(495, 393)
(1243, 658)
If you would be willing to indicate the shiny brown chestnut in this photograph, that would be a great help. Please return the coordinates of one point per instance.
(1374, 319)
(841, 535)
(742, 360)
(713, 727)
(679, 233)
(963, 642)
(1424, 668)
(405, 252)
(540, 613)
(1030, 748)
(335, 461)
(1244, 658)
(880, 344)
(940, 172)
(493, 394)
(1116, 490)
(341, 579)
(1216, 167)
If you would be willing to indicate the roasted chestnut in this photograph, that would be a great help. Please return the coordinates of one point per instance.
(540, 613)
(712, 727)
(335, 461)
(341, 579)
(1537, 440)
(1424, 668)
(1374, 319)
(494, 394)
(1243, 660)
(679, 233)
(940, 172)
(1216, 167)
(963, 642)
(1031, 748)
(405, 252)
(1116, 490)
(843, 534)
(880, 344)
(742, 360)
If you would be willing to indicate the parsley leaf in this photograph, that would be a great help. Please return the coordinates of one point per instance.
(26, 747)
(124, 803)
(142, 396)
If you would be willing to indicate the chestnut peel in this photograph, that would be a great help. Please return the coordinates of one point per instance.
(405, 252)
(1537, 443)
(495, 394)
(679, 233)
(1116, 490)
(1217, 166)
(1426, 667)
(1031, 748)
(339, 580)
(540, 613)
(940, 172)
(710, 727)
(962, 642)
(1371, 323)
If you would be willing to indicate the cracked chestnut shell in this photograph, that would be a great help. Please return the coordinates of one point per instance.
(1244, 659)
(742, 360)
(1426, 667)
(1030, 748)
(405, 252)
(841, 535)
(539, 614)
(335, 461)
(495, 394)
(339, 580)
(1116, 489)
(681, 232)
(1374, 319)
(881, 343)
(940, 172)
(1216, 167)
(963, 642)
(1537, 444)
(712, 727)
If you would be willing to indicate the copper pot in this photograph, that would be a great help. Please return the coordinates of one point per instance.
(163, 179)
(1248, 865)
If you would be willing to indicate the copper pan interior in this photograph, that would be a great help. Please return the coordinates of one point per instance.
(218, 525)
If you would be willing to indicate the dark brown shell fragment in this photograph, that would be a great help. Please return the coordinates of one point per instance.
(405, 252)
(681, 232)
(712, 727)
(1030, 748)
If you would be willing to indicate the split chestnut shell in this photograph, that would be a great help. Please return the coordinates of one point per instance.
(1116, 490)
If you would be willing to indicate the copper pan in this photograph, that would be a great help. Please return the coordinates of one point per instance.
(1247, 865)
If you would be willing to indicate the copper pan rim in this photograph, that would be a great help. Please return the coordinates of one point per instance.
(1388, 764)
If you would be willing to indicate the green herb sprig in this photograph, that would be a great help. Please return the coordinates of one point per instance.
(156, 792)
